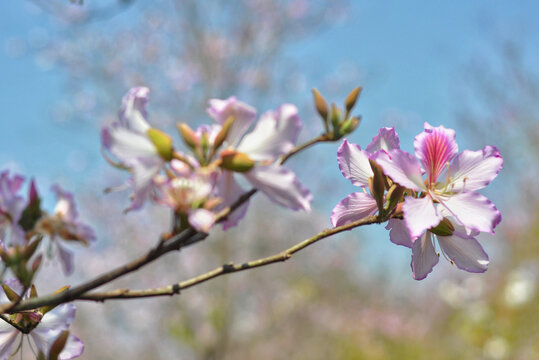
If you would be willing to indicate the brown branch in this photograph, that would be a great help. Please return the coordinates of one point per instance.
(227, 268)
(185, 238)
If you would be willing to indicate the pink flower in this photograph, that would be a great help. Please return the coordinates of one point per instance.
(450, 184)
(128, 139)
(457, 245)
(189, 193)
(11, 208)
(65, 225)
(354, 165)
(274, 135)
(47, 329)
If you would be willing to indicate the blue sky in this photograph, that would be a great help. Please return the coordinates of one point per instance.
(411, 55)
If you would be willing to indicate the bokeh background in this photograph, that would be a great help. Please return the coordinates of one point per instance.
(467, 65)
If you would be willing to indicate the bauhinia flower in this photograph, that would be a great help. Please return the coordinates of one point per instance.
(254, 155)
(11, 208)
(189, 192)
(141, 149)
(64, 225)
(456, 243)
(45, 328)
(355, 166)
(450, 184)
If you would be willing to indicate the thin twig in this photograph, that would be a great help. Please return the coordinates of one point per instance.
(227, 268)
(185, 238)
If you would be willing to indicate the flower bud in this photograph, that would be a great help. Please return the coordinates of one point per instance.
(394, 196)
(335, 118)
(349, 126)
(351, 99)
(162, 142)
(377, 184)
(10, 293)
(33, 291)
(31, 248)
(444, 228)
(221, 136)
(321, 105)
(189, 137)
(236, 161)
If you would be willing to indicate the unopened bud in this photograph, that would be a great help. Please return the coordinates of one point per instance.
(444, 228)
(33, 291)
(377, 184)
(32, 247)
(351, 99)
(189, 137)
(236, 161)
(335, 117)
(349, 126)
(321, 105)
(394, 196)
(10, 293)
(221, 136)
(162, 142)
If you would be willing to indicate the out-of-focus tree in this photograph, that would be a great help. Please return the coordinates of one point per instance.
(185, 51)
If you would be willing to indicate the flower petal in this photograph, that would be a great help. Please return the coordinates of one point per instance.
(230, 191)
(72, 349)
(474, 211)
(65, 257)
(281, 186)
(274, 134)
(8, 335)
(127, 145)
(201, 219)
(466, 253)
(399, 233)
(354, 163)
(473, 170)
(420, 215)
(435, 146)
(387, 139)
(244, 115)
(424, 256)
(133, 113)
(58, 318)
(354, 207)
(402, 167)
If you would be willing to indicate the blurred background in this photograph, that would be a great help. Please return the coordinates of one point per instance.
(471, 66)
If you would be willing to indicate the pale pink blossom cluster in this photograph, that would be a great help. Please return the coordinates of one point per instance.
(27, 234)
(432, 194)
(197, 185)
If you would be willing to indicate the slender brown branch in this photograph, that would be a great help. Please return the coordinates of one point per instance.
(318, 139)
(228, 268)
(185, 238)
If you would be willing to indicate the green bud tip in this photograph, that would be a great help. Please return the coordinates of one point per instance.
(162, 143)
(236, 161)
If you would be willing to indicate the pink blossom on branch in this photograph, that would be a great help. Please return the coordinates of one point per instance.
(129, 140)
(46, 327)
(354, 165)
(451, 181)
(274, 135)
(11, 208)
